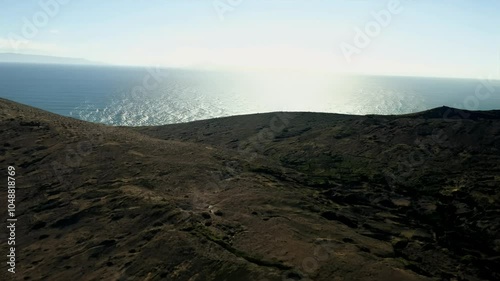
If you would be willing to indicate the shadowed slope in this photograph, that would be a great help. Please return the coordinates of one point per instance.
(428, 178)
(220, 200)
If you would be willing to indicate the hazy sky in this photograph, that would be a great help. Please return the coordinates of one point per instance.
(421, 37)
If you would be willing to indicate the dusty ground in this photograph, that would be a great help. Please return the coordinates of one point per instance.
(278, 196)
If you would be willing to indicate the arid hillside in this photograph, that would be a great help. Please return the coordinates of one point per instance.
(266, 197)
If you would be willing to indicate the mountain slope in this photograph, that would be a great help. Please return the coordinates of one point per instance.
(429, 179)
(282, 196)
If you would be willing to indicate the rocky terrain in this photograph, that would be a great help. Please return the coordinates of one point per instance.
(266, 197)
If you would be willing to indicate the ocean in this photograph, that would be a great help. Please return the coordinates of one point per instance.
(135, 96)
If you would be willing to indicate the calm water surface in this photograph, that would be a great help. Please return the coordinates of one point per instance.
(142, 96)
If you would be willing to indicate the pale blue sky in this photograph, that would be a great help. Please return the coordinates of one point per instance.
(457, 38)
